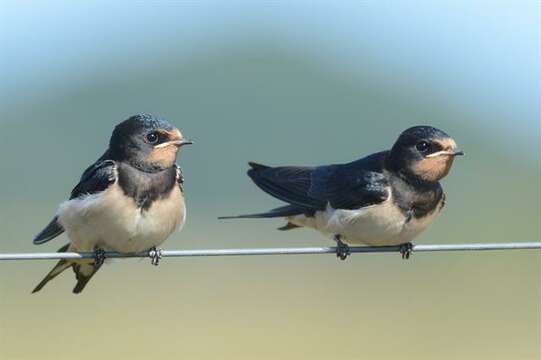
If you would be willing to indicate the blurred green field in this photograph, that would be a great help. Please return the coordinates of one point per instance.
(261, 102)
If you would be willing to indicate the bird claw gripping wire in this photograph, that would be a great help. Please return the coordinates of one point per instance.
(406, 250)
(99, 257)
(155, 255)
(342, 249)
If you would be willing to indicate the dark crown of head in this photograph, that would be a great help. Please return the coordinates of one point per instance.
(138, 123)
(417, 133)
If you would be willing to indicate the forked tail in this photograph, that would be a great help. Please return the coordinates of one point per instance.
(284, 211)
(83, 272)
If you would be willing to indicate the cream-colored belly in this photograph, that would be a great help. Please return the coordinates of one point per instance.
(377, 225)
(111, 220)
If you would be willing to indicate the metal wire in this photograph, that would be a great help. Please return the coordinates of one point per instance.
(275, 251)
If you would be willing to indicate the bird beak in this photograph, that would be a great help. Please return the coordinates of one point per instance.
(178, 143)
(181, 142)
(452, 152)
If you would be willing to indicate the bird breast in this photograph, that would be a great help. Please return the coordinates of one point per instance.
(377, 225)
(112, 220)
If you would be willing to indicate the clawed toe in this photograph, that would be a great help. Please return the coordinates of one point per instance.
(406, 250)
(342, 249)
(155, 255)
(99, 257)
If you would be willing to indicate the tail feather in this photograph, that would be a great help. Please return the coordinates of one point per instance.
(57, 270)
(83, 277)
(83, 272)
(284, 211)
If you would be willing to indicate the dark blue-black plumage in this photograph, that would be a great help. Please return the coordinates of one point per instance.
(344, 186)
(361, 183)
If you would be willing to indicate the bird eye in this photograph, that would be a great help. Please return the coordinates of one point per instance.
(422, 146)
(152, 138)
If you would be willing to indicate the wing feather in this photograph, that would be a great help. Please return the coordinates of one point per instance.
(96, 178)
(345, 186)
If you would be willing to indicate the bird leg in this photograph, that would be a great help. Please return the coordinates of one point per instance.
(99, 257)
(342, 249)
(405, 250)
(155, 255)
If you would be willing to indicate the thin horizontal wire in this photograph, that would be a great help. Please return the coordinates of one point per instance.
(275, 251)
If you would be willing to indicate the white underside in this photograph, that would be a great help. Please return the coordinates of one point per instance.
(376, 225)
(111, 220)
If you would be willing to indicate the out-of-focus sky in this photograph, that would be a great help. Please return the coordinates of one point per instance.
(481, 54)
(283, 83)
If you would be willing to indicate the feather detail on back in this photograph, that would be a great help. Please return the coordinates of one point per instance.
(343, 186)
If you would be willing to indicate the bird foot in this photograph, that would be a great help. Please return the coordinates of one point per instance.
(99, 257)
(155, 255)
(342, 249)
(406, 250)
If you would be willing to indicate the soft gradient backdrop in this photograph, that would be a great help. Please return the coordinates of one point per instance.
(281, 83)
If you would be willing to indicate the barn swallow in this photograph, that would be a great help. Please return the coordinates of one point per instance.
(130, 200)
(384, 199)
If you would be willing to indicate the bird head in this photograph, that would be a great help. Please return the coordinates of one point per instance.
(423, 153)
(146, 142)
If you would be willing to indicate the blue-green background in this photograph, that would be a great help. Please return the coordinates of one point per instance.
(280, 83)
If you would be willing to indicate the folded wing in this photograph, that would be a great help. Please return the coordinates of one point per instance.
(346, 186)
(95, 179)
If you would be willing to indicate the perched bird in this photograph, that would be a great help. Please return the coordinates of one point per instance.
(387, 198)
(130, 200)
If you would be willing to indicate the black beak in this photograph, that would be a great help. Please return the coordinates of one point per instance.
(182, 142)
(459, 153)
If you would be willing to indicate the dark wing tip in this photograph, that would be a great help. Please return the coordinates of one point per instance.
(255, 171)
(39, 241)
(257, 166)
(52, 230)
(42, 238)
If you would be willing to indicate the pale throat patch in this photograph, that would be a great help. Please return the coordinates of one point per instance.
(164, 156)
(435, 168)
